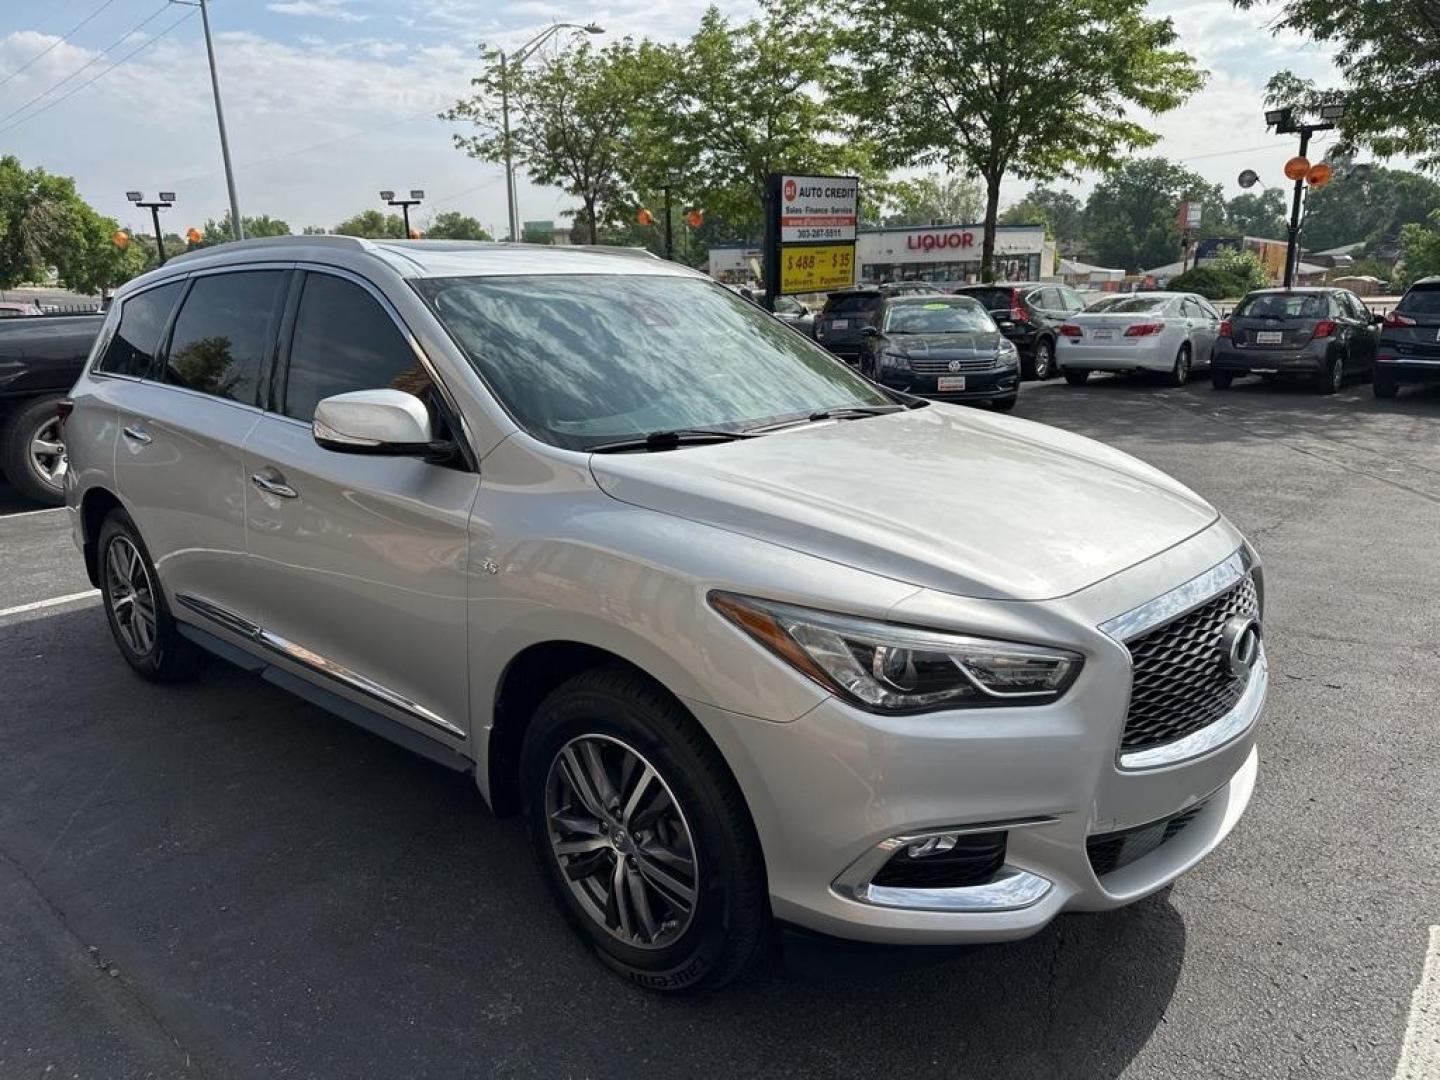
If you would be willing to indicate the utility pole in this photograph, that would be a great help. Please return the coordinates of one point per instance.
(237, 226)
(669, 224)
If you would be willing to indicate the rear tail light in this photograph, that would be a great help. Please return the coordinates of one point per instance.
(1395, 319)
(1017, 309)
(1071, 330)
(1323, 329)
(1145, 329)
(1225, 329)
(63, 408)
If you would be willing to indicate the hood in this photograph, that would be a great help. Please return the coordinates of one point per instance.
(953, 346)
(940, 497)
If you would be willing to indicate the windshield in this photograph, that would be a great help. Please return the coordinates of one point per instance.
(938, 317)
(1282, 306)
(1137, 303)
(1421, 301)
(586, 359)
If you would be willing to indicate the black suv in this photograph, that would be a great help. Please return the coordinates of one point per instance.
(1409, 348)
(1029, 314)
(847, 312)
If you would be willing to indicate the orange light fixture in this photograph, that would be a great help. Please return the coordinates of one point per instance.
(193, 235)
(416, 234)
(644, 217)
(695, 218)
(1319, 175)
(1297, 167)
(121, 239)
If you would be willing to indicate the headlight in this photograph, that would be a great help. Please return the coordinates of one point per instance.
(896, 669)
(1007, 353)
(892, 359)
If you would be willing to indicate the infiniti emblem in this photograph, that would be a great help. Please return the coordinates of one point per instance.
(954, 365)
(1239, 645)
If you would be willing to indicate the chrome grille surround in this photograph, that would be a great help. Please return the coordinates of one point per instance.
(942, 367)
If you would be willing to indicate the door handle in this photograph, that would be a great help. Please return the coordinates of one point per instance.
(274, 485)
(136, 434)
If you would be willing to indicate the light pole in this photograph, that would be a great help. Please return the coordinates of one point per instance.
(416, 197)
(507, 61)
(237, 227)
(1284, 123)
(165, 200)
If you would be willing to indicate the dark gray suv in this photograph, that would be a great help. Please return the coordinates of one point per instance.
(1409, 350)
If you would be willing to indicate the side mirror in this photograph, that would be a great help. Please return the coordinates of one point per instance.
(389, 423)
(869, 331)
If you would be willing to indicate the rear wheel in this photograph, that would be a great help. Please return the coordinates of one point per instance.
(1180, 372)
(1384, 387)
(1332, 377)
(32, 453)
(1221, 380)
(1044, 362)
(1077, 376)
(643, 835)
(139, 618)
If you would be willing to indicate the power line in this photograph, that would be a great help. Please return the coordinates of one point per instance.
(89, 82)
(89, 63)
(54, 44)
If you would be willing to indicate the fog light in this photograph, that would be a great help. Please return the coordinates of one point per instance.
(932, 845)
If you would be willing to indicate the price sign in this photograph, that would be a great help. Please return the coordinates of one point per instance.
(811, 224)
(816, 268)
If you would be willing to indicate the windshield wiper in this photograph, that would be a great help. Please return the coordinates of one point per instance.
(669, 440)
(844, 412)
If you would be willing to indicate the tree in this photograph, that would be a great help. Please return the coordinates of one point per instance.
(1209, 281)
(1245, 266)
(1130, 217)
(1263, 214)
(372, 225)
(956, 82)
(937, 199)
(1058, 209)
(46, 226)
(1419, 251)
(1351, 209)
(219, 232)
(1388, 53)
(453, 225)
(568, 120)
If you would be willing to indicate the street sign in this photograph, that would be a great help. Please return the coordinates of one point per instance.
(810, 228)
(818, 208)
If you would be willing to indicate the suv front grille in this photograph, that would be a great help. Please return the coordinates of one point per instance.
(1178, 684)
(1113, 850)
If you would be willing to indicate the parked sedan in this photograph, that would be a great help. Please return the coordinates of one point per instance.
(1170, 333)
(944, 347)
(1319, 334)
(1409, 349)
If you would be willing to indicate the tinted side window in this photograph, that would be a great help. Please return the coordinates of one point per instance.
(142, 320)
(344, 341)
(223, 334)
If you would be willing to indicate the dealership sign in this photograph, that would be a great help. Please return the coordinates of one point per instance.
(810, 228)
(819, 209)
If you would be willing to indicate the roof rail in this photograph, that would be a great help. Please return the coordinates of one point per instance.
(609, 249)
(352, 243)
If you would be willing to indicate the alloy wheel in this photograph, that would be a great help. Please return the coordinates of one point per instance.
(621, 840)
(47, 453)
(1182, 367)
(1337, 374)
(1044, 360)
(131, 595)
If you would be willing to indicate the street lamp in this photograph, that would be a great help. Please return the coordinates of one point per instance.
(164, 201)
(519, 56)
(237, 227)
(416, 197)
(1284, 123)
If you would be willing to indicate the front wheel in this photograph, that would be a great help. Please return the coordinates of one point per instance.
(1044, 362)
(146, 632)
(1077, 376)
(1221, 380)
(32, 453)
(643, 835)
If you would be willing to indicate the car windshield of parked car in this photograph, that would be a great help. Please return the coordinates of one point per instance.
(939, 317)
(1282, 306)
(587, 359)
(1421, 301)
(1135, 304)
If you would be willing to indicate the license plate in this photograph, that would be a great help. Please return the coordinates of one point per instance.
(839, 324)
(1104, 335)
(950, 382)
(1269, 337)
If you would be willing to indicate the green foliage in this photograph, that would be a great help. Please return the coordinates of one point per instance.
(1245, 266)
(453, 225)
(1349, 209)
(1388, 54)
(1263, 214)
(936, 199)
(219, 232)
(1209, 281)
(372, 225)
(1419, 251)
(1130, 217)
(1060, 210)
(957, 82)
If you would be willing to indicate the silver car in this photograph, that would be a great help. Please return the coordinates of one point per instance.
(745, 637)
(1167, 333)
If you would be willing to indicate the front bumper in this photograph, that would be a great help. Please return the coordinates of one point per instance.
(997, 384)
(834, 792)
(1306, 361)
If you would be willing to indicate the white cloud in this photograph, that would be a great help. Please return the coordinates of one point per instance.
(318, 9)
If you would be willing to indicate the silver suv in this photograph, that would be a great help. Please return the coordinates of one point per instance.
(744, 636)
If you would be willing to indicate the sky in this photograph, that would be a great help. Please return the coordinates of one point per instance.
(330, 101)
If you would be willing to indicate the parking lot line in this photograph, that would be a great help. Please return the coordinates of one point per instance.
(1420, 1053)
(55, 601)
(33, 513)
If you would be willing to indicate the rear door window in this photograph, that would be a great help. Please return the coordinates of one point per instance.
(993, 299)
(1421, 300)
(344, 340)
(142, 321)
(223, 334)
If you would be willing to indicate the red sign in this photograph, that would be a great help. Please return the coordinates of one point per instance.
(789, 190)
(931, 241)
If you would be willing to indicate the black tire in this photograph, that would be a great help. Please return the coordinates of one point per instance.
(1180, 373)
(1221, 380)
(1077, 376)
(1043, 365)
(167, 657)
(22, 429)
(729, 926)
(1383, 387)
(1003, 404)
(1332, 377)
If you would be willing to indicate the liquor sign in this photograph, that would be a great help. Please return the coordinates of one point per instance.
(811, 224)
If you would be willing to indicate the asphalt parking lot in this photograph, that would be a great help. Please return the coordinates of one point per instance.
(220, 880)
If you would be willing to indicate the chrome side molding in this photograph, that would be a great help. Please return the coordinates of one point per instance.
(1171, 605)
(313, 661)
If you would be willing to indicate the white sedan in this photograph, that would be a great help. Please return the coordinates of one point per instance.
(1166, 332)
